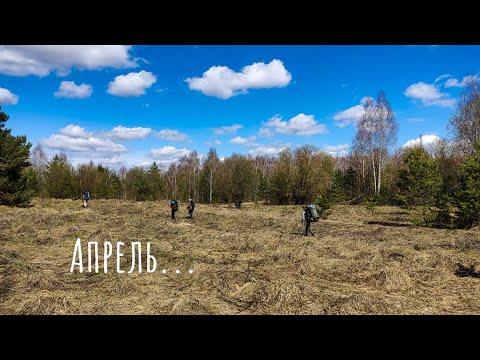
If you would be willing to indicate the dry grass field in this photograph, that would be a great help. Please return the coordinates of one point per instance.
(247, 261)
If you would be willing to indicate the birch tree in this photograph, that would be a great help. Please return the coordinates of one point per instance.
(376, 134)
(384, 135)
(465, 123)
(210, 167)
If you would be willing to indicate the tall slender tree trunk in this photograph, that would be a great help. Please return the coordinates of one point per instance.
(210, 183)
(363, 173)
(256, 191)
(379, 174)
(174, 186)
(374, 174)
(197, 183)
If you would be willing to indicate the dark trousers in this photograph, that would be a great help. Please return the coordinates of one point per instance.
(173, 214)
(307, 228)
(190, 213)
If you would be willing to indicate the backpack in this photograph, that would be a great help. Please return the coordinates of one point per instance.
(312, 213)
(174, 205)
(86, 195)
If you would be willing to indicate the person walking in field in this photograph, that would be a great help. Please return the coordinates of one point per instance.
(309, 215)
(85, 198)
(190, 207)
(174, 207)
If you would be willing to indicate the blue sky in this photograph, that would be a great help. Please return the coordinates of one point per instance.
(132, 105)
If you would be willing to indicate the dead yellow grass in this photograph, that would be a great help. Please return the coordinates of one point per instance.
(247, 261)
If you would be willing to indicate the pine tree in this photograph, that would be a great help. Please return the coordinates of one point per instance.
(419, 179)
(337, 191)
(155, 182)
(107, 183)
(349, 183)
(137, 183)
(14, 155)
(60, 179)
(468, 197)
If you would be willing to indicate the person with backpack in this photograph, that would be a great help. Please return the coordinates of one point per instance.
(86, 198)
(309, 215)
(174, 207)
(190, 207)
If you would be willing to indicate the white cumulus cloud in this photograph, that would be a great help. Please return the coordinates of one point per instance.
(132, 84)
(426, 140)
(348, 116)
(336, 150)
(223, 130)
(464, 82)
(111, 161)
(40, 60)
(75, 131)
(69, 89)
(351, 115)
(441, 77)
(429, 95)
(168, 153)
(171, 135)
(222, 82)
(7, 97)
(126, 133)
(91, 145)
(266, 150)
(238, 140)
(298, 125)
(114, 160)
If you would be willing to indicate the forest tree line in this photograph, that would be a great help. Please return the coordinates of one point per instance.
(443, 178)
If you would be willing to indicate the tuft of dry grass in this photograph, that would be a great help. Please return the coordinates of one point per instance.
(247, 261)
(117, 285)
(46, 304)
